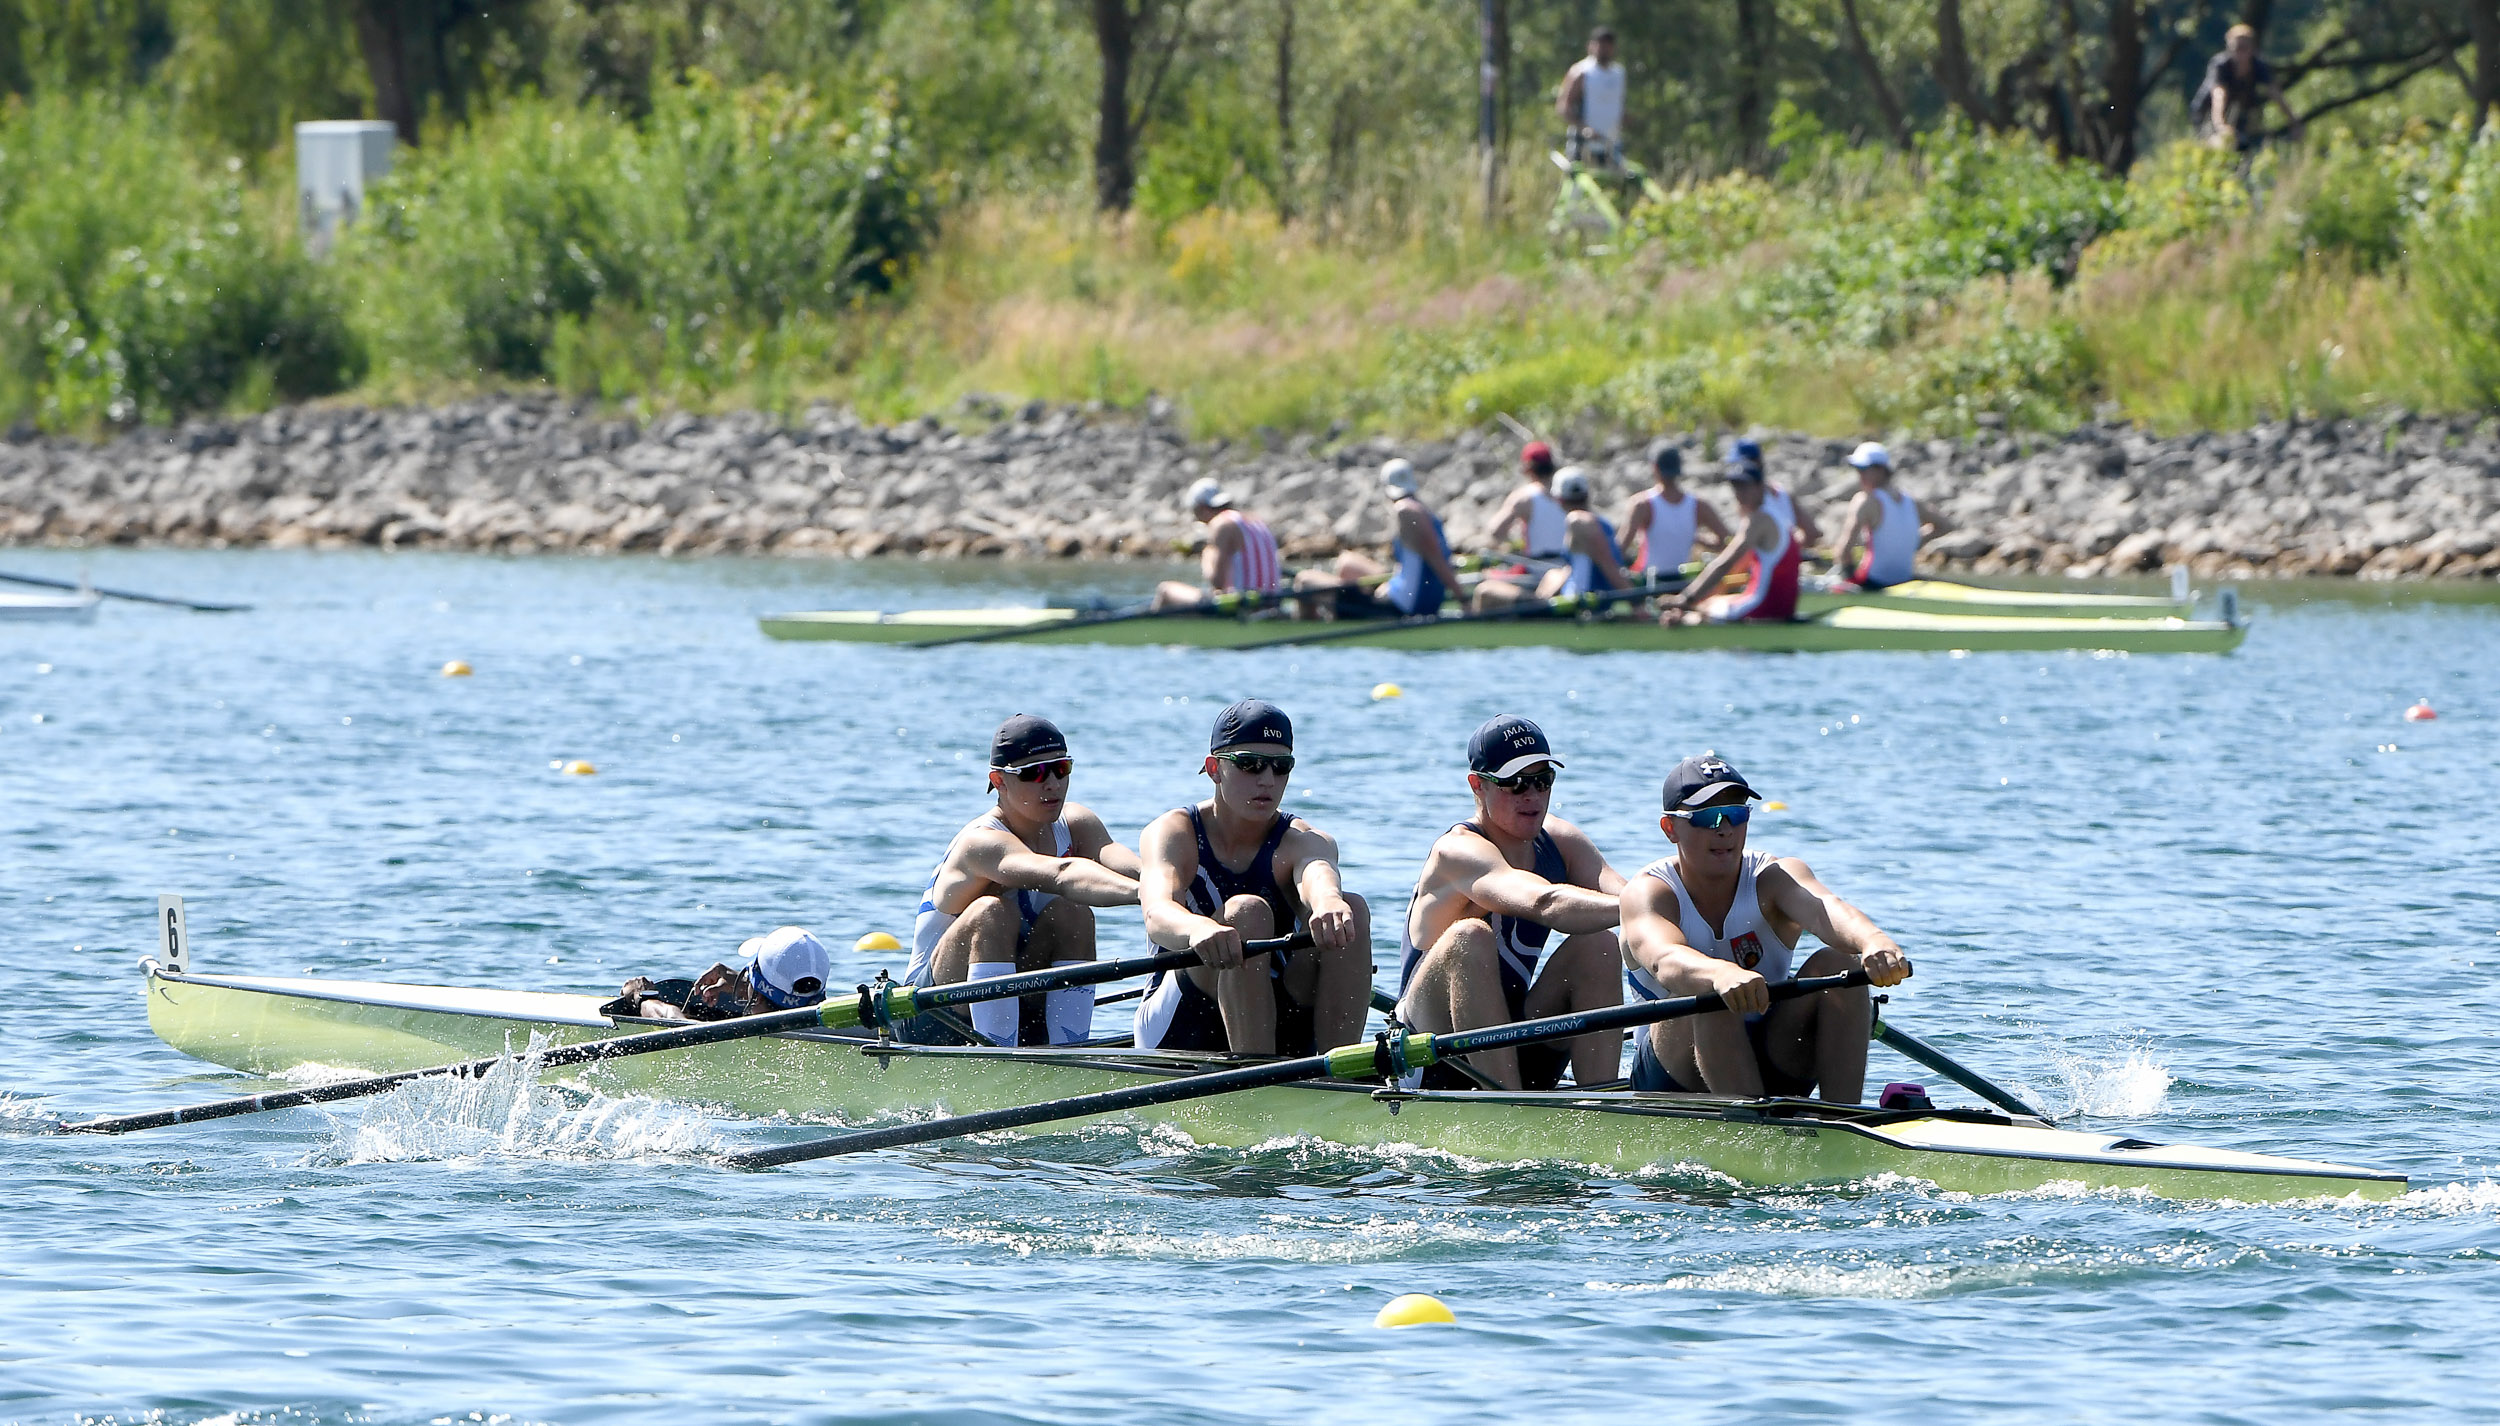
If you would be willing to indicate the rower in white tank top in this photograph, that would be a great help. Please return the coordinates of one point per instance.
(1667, 541)
(1549, 532)
(1746, 939)
(1892, 550)
(930, 923)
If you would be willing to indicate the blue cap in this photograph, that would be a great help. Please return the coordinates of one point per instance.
(1744, 459)
(1252, 720)
(1697, 780)
(1508, 746)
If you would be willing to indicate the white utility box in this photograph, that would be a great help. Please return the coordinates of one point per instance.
(334, 160)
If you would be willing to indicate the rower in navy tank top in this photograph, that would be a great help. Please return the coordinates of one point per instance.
(1494, 890)
(1419, 576)
(1238, 868)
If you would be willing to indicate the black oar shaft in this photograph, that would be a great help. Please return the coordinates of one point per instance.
(1382, 1058)
(907, 1001)
(1952, 1069)
(42, 583)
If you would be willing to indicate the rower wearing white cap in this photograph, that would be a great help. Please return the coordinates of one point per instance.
(1882, 521)
(1420, 575)
(1016, 891)
(1716, 917)
(784, 969)
(1592, 561)
(1240, 555)
(1493, 888)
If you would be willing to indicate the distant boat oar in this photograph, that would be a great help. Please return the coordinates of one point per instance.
(1567, 604)
(41, 583)
(1387, 1057)
(888, 1005)
(1222, 604)
(1944, 1064)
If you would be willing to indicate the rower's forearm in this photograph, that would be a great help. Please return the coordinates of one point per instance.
(1574, 909)
(1175, 927)
(1094, 884)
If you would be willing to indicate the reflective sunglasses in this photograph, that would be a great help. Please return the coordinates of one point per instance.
(1535, 779)
(1711, 818)
(1035, 772)
(1254, 764)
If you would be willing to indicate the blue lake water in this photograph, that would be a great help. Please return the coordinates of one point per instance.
(2232, 900)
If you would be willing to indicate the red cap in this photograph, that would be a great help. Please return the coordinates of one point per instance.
(1537, 456)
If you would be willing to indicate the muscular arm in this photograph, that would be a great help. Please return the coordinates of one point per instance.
(1653, 942)
(1800, 897)
(1590, 540)
(1088, 837)
(1567, 103)
(998, 857)
(1168, 856)
(1722, 562)
(1215, 562)
(1316, 881)
(1636, 528)
(1852, 525)
(1709, 531)
(1514, 511)
(1476, 871)
(1807, 530)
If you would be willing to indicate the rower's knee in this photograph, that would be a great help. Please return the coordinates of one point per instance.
(1069, 928)
(1469, 951)
(1251, 916)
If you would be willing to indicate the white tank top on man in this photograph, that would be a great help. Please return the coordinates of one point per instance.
(1745, 938)
(1601, 97)
(1549, 530)
(1668, 542)
(1892, 551)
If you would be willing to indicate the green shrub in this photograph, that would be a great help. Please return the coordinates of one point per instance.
(2039, 377)
(2184, 189)
(2459, 264)
(136, 287)
(1701, 223)
(2355, 208)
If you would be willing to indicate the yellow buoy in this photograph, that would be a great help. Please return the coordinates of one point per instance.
(876, 941)
(1386, 690)
(1413, 1310)
(1774, 806)
(457, 668)
(579, 768)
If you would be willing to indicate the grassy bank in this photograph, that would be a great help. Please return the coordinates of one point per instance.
(750, 247)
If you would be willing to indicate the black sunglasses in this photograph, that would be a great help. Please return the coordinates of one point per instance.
(1254, 764)
(1539, 779)
(1035, 772)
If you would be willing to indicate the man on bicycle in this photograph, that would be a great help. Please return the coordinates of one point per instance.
(1591, 105)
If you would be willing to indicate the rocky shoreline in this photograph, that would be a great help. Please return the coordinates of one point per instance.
(2394, 497)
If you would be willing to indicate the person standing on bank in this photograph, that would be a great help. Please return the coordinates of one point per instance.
(1591, 104)
(2231, 101)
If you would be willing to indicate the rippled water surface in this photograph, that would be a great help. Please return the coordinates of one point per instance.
(2232, 900)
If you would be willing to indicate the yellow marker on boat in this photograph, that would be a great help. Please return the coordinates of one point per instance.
(1414, 1310)
(876, 941)
(1386, 690)
(457, 668)
(579, 768)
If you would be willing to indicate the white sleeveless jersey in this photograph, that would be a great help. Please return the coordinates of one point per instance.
(1668, 542)
(931, 924)
(1746, 939)
(1782, 508)
(1892, 551)
(1256, 568)
(1601, 97)
(1549, 531)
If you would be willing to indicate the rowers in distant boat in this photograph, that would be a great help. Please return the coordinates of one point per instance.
(1240, 556)
(1016, 891)
(1420, 575)
(1492, 890)
(784, 969)
(1717, 917)
(1537, 518)
(1238, 867)
(1766, 552)
(1663, 526)
(1882, 526)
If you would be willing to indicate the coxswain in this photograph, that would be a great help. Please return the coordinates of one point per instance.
(1240, 556)
(1715, 917)
(1592, 561)
(1016, 891)
(1237, 867)
(1494, 888)
(784, 969)
(1766, 552)
(1882, 523)
(1420, 575)
(1666, 524)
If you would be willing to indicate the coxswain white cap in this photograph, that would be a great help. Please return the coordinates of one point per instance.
(1871, 454)
(1398, 475)
(789, 966)
(1571, 483)
(1207, 494)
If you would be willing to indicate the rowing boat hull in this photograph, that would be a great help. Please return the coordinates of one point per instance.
(48, 608)
(1856, 627)
(1943, 596)
(270, 1026)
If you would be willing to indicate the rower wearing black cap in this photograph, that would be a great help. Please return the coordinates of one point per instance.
(1238, 867)
(1667, 523)
(1493, 889)
(1717, 917)
(1016, 891)
(1768, 552)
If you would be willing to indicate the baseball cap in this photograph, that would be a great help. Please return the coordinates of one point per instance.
(1026, 739)
(1252, 720)
(1537, 456)
(1207, 493)
(1398, 475)
(788, 967)
(1666, 457)
(1697, 780)
(1571, 483)
(1508, 746)
(1871, 453)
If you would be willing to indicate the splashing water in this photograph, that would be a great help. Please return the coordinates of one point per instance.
(507, 1113)
(19, 1115)
(2114, 1082)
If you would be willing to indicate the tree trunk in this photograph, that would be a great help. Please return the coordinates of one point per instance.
(2482, 19)
(1488, 106)
(384, 42)
(1753, 103)
(2122, 89)
(1894, 118)
(2255, 14)
(1115, 138)
(1953, 69)
(1501, 72)
(1284, 112)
